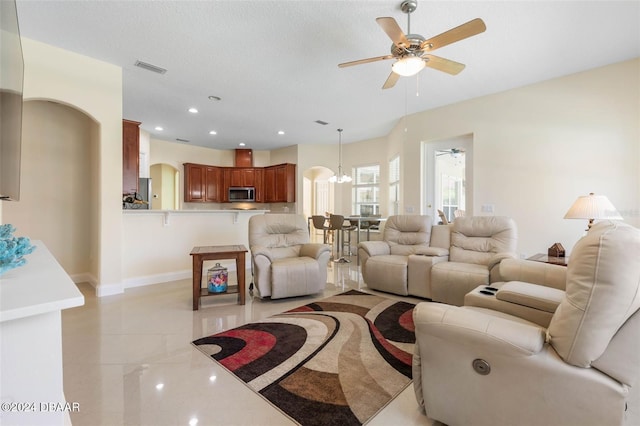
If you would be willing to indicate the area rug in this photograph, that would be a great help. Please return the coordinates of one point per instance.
(337, 361)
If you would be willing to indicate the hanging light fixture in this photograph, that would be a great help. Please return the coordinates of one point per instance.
(408, 65)
(340, 177)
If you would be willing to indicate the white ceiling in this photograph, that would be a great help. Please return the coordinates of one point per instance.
(274, 63)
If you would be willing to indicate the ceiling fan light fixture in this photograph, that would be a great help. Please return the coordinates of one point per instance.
(408, 66)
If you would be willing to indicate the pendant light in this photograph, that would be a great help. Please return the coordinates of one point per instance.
(340, 177)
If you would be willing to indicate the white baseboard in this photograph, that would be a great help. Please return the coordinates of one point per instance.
(109, 289)
(156, 278)
(118, 288)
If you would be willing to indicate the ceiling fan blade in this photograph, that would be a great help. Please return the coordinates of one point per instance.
(393, 30)
(471, 28)
(365, 61)
(391, 80)
(442, 64)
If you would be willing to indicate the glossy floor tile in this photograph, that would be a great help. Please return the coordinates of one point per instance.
(128, 359)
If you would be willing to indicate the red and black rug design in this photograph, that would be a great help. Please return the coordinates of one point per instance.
(337, 361)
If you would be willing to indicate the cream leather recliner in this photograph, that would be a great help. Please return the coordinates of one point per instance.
(402, 261)
(483, 367)
(284, 262)
(478, 244)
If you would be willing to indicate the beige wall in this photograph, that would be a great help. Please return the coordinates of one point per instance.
(94, 88)
(539, 147)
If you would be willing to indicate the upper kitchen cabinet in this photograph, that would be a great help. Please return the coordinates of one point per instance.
(244, 157)
(202, 183)
(240, 177)
(130, 156)
(280, 183)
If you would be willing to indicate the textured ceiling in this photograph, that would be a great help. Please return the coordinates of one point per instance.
(274, 63)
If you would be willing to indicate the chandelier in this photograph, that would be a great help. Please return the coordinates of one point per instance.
(340, 177)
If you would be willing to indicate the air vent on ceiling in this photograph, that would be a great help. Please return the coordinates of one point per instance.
(182, 140)
(324, 123)
(150, 67)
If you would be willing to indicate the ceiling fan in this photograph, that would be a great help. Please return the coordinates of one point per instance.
(453, 152)
(412, 51)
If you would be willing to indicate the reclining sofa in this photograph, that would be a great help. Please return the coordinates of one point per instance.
(438, 262)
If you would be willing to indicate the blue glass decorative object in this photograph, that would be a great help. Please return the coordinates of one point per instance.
(12, 249)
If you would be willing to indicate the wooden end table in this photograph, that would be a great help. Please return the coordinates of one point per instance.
(201, 253)
(541, 257)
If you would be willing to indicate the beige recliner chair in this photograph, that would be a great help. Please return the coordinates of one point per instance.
(284, 263)
(402, 261)
(478, 244)
(483, 367)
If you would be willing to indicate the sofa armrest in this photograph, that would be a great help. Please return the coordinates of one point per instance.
(540, 273)
(262, 251)
(482, 331)
(499, 257)
(375, 248)
(314, 250)
(531, 295)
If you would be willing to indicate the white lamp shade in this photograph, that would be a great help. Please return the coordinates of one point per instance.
(408, 66)
(592, 207)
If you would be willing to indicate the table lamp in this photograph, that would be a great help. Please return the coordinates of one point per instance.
(592, 207)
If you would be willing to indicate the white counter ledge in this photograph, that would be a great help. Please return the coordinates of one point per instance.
(32, 298)
(39, 286)
(235, 213)
(145, 211)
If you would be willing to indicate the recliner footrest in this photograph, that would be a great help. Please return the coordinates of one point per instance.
(301, 275)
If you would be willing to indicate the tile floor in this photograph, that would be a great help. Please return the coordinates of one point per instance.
(128, 359)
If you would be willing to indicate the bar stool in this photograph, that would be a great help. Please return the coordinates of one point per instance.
(352, 226)
(336, 222)
(319, 223)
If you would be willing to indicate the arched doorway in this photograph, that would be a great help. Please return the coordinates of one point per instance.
(165, 183)
(59, 202)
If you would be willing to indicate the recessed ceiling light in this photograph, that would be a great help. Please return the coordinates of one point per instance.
(158, 128)
(281, 132)
(213, 132)
(242, 144)
(193, 110)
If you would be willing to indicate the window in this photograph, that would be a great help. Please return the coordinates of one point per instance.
(394, 185)
(366, 190)
(451, 195)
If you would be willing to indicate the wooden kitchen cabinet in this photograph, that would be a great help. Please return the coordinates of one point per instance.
(259, 184)
(130, 156)
(280, 183)
(213, 182)
(210, 184)
(202, 183)
(244, 157)
(242, 176)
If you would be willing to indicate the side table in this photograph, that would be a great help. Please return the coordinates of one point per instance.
(201, 253)
(541, 257)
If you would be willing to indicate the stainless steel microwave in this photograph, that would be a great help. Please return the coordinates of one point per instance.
(242, 194)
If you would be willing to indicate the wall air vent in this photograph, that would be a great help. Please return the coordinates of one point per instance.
(150, 67)
(324, 123)
(182, 140)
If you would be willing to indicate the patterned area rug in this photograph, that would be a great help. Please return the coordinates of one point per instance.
(337, 361)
